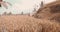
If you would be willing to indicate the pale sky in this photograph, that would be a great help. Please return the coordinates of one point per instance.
(22, 5)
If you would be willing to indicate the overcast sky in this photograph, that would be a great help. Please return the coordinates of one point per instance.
(22, 5)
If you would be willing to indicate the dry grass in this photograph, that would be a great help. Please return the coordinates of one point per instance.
(23, 23)
(49, 11)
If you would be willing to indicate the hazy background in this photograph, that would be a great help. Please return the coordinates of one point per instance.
(27, 6)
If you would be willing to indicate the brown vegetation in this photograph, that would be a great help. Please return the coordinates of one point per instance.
(23, 23)
(49, 11)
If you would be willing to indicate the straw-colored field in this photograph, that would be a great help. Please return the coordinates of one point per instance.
(23, 23)
(43, 21)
